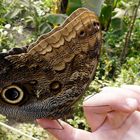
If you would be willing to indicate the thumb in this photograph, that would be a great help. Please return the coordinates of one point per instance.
(67, 133)
(57, 128)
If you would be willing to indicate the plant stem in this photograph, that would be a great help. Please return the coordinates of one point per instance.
(17, 131)
(128, 35)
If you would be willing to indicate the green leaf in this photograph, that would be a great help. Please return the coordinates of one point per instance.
(72, 6)
(105, 15)
(12, 14)
(118, 23)
(44, 28)
(56, 19)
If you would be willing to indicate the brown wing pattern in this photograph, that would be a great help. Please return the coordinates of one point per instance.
(61, 45)
(70, 18)
(42, 89)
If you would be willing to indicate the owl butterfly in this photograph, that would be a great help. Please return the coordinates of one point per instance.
(45, 79)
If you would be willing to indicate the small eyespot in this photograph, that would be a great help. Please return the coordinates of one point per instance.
(96, 25)
(82, 33)
(55, 86)
(12, 94)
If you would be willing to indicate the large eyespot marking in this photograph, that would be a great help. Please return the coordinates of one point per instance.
(12, 94)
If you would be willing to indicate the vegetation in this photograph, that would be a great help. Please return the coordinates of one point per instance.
(21, 22)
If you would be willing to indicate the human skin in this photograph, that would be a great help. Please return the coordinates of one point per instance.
(114, 113)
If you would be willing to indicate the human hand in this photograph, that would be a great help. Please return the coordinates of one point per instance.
(114, 113)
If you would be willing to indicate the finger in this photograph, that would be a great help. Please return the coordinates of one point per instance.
(134, 88)
(117, 98)
(68, 133)
(97, 107)
(58, 133)
(95, 120)
(115, 120)
(132, 124)
(97, 116)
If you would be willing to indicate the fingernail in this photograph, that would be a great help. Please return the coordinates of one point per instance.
(89, 96)
(132, 103)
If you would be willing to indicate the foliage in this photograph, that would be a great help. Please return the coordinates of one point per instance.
(25, 20)
(21, 22)
(30, 129)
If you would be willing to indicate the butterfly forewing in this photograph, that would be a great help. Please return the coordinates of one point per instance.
(54, 72)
